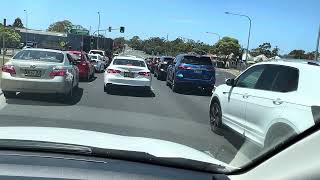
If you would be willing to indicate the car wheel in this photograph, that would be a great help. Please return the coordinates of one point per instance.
(167, 81)
(174, 86)
(106, 89)
(215, 117)
(158, 76)
(88, 77)
(9, 94)
(154, 74)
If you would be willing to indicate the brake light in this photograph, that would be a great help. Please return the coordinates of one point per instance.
(9, 69)
(316, 113)
(113, 71)
(58, 72)
(184, 67)
(144, 73)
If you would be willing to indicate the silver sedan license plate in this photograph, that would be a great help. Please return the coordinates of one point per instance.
(32, 73)
(129, 74)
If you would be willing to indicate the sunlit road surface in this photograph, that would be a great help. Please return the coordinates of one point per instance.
(162, 114)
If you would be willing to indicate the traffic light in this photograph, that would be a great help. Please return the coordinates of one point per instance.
(91, 41)
(121, 29)
(4, 22)
(110, 28)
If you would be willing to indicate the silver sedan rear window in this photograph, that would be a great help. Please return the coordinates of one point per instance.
(47, 56)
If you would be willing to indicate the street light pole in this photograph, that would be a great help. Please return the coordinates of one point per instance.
(248, 42)
(98, 30)
(26, 26)
(215, 34)
(317, 46)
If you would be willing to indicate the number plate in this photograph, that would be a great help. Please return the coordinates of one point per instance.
(198, 71)
(32, 73)
(129, 74)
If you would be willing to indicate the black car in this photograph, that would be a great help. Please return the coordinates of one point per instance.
(160, 71)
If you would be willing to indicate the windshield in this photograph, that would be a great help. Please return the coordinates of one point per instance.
(97, 52)
(196, 60)
(224, 81)
(93, 57)
(47, 56)
(129, 62)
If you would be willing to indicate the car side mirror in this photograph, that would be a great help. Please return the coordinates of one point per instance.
(230, 82)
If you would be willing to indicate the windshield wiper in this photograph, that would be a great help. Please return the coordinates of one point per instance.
(165, 161)
(43, 146)
(136, 156)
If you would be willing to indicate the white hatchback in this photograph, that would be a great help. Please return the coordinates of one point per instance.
(269, 102)
(127, 71)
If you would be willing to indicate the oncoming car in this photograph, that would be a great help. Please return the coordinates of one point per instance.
(39, 71)
(269, 102)
(127, 71)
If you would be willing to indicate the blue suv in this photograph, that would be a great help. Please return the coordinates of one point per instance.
(191, 71)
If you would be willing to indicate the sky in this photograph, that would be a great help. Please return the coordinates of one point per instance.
(288, 24)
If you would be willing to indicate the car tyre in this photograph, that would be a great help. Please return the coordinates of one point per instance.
(215, 117)
(174, 86)
(167, 81)
(9, 94)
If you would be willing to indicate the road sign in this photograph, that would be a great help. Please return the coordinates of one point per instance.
(79, 31)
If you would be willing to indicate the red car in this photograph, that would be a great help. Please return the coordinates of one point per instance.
(86, 69)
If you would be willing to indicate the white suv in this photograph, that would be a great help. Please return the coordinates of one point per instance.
(269, 102)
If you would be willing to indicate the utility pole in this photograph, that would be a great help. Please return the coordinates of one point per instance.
(167, 44)
(26, 26)
(3, 41)
(317, 46)
(98, 30)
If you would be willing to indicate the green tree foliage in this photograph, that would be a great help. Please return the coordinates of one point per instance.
(297, 54)
(118, 44)
(275, 51)
(11, 37)
(17, 23)
(264, 48)
(228, 45)
(60, 26)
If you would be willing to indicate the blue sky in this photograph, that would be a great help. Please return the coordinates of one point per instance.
(288, 24)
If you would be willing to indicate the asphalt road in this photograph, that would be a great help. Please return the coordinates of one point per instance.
(162, 114)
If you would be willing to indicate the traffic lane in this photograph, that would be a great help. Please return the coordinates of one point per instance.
(168, 116)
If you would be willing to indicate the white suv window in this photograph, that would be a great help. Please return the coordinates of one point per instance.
(250, 78)
(286, 79)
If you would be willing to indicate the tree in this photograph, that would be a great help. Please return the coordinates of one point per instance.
(264, 48)
(275, 51)
(17, 23)
(297, 54)
(118, 43)
(60, 26)
(136, 43)
(227, 46)
(12, 38)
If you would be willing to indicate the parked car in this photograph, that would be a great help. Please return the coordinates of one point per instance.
(161, 69)
(39, 71)
(97, 61)
(269, 102)
(102, 53)
(153, 63)
(86, 69)
(127, 71)
(191, 71)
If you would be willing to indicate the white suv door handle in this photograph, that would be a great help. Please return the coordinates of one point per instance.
(245, 96)
(277, 101)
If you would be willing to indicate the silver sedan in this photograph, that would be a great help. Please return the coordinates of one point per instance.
(40, 71)
(97, 61)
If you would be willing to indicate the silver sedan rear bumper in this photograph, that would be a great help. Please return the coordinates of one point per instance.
(55, 85)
